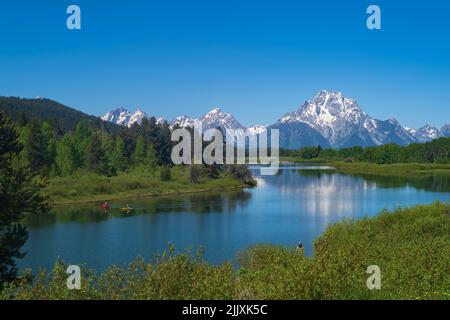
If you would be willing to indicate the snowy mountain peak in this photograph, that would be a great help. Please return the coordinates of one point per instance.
(123, 117)
(324, 95)
(219, 119)
(329, 112)
(393, 121)
(342, 122)
(160, 120)
(183, 121)
(214, 111)
(120, 116)
(411, 131)
(136, 117)
(329, 119)
(428, 133)
(257, 129)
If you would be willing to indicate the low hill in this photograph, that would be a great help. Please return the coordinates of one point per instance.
(66, 118)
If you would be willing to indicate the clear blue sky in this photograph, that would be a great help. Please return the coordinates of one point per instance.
(255, 59)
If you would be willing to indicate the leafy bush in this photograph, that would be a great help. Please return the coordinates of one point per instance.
(195, 172)
(165, 174)
(241, 172)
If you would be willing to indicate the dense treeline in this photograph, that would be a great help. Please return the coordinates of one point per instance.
(89, 151)
(436, 151)
(93, 149)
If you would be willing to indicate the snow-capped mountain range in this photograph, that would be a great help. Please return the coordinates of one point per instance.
(329, 120)
(123, 117)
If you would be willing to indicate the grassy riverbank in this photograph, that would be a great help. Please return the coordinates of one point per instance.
(411, 247)
(291, 159)
(89, 187)
(396, 169)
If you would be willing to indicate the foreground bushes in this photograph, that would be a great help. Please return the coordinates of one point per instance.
(411, 246)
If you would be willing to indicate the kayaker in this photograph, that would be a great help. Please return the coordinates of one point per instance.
(105, 206)
(300, 248)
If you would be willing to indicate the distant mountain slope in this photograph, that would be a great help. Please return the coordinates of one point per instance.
(446, 130)
(123, 117)
(47, 110)
(428, 133)
(298, 135)
(330, 119)
(343, 123)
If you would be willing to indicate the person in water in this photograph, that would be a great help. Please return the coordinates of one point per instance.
(105, 206)
(300, 248)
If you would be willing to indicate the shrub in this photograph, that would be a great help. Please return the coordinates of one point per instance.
(165, 174)
(195, 172)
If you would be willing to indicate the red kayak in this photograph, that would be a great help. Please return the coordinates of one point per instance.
(104, 206)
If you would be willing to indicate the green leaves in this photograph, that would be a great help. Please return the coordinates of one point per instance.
(19, 193)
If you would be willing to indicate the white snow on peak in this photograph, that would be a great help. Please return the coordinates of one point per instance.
(182, 122)
(118, 116)
(217, 118)
(428, 133)
(257, 129)
(215, 110)
(136, 117)
(330, 113)
(411, 131)
(123, 117)
(338, 119)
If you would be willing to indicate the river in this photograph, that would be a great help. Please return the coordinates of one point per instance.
(295, 205)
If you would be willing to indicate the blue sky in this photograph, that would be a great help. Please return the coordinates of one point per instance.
(255, 59)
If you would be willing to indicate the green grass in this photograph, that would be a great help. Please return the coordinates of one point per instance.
(397, 169)
(411, 246)
(89, 187)
(301, 160)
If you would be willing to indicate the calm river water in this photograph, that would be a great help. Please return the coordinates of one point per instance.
(297, 204)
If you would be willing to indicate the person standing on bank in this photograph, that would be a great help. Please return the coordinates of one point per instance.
(300, 248)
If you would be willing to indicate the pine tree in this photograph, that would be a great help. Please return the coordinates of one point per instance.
(82, 134)
(50, 139)
(108, 149)
(35, 149)
(119, 159)
(129, 141)
(23, 121)
(95, 157)
(151, 159)
(65, 156)
(164, 145)
(139, 154)
(19, 193)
